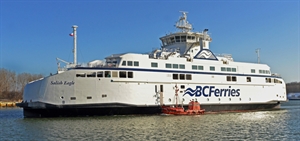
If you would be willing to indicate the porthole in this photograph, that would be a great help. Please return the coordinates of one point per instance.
(229, 99)
(182, 99)
(219, 99)
(61, 97)
(170, 100)
(240, 99)
(207, 99)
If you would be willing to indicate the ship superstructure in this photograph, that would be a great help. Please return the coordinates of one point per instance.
(133, 83)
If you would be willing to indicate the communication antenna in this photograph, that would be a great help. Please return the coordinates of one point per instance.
(258, 59)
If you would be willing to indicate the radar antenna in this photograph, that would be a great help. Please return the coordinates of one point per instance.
(183, 24)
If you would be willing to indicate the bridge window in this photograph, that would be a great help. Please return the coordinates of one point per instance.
(233, 69)
(177, 38)
(212, 68)
(183, 38)
(124, 63)
(154, 65)
(200, 67)
(252, 70)
(136, 63)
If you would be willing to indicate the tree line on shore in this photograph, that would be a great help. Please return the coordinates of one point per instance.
(293, 87)
(12, 84)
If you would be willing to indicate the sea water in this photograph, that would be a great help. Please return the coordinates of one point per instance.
(282, 124)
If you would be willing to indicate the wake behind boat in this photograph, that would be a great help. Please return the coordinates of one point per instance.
(131, 83)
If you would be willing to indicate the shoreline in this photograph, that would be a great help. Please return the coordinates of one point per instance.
(7, 104)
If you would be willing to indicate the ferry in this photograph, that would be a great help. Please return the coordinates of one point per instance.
(132, 83)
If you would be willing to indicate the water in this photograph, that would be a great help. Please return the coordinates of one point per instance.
(283, 124)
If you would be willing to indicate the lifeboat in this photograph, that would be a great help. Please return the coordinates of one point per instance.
(193, 108)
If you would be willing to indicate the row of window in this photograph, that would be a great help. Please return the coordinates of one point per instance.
(107, 74)
(182, 76)
(228, 69)
(177, 39)
(175, 66)
(270, 80)
(130, 63)
(264, 72)
(88, 97)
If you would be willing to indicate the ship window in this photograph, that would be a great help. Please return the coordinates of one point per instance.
(252, 70)
(181, 66)
(154, 65)
(189, 37)
(268, 80)
(194, 67)
(89, 97)
(172, 40)
(193, 37)
(168, 66)
(264, 71)
(124, 63)
(91, 74)
(182, 86)
(248, 79)
(175, 66)
(80, 75)
(136, 63)
(161, 88)
(100, 74)
(228, 69)
(233, 69)
(130, 74)
(200, 67)
(260, 71)
(73, 98)
(212, 68)
(233, 78)
(223, 69)
(107, 74)
(188, 77)
(104, 95)
(177, 38)
(129, 63)
(182, 76)
(228, 78)
(114, 74)
(175, 76)
(183, 38)
(122, 74)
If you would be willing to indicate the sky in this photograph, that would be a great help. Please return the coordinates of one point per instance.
(33, 33)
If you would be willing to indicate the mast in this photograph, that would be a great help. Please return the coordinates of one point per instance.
(258, 58)
(183, 24)
(75, 44)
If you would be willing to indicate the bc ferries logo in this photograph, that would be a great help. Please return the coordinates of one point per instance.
(69, 83)
(209, 91)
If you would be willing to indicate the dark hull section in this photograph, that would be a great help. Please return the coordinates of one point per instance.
(121, 109)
